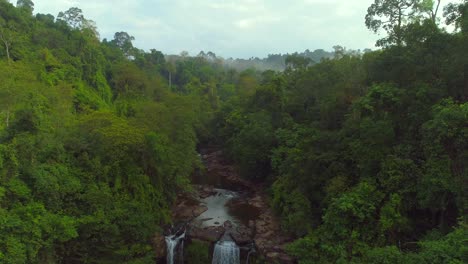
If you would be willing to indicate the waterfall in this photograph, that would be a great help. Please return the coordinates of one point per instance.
(226, 252)
(252, 250)
(172, 244)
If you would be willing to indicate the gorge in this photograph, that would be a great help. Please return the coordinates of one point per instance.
(231, 215)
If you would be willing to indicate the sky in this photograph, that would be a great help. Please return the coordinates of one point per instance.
(229, 28)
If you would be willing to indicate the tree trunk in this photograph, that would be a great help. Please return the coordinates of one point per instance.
(398, 33)
(434, 13)
(8, 52)
(7, 47)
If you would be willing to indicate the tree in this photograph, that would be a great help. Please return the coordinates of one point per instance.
(431, 7)
(457, 14)
(73, 17)
(6, 36)
(123, 41)
(26, 5)
(296, 61)
(339, 51)
(392, 15)
(155, 57)
(90, 26)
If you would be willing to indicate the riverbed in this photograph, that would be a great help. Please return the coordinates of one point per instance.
(225, 207)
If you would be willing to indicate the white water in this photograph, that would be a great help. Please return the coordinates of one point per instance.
(226, 252)
(171, 243)
(248, 255)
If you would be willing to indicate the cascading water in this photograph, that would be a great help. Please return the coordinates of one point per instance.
(252, 250)
(174, 244)
(226, 252)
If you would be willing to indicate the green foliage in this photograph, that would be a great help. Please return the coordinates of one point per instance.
(197, 252)
(392, 16)
(292, 205)
(365, 154)
(80, 182)
(251, 147)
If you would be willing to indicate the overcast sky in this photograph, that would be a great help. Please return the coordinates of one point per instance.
(229, 28)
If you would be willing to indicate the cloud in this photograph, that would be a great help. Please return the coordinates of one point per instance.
(230, 28)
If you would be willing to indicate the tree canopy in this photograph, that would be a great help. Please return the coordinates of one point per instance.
(363, 154)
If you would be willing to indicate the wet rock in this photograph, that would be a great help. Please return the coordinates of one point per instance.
(242, 235)
(227, 224)
(159, 244)
(264, 230)
(205, 191)
(209, 234)
(197, 211)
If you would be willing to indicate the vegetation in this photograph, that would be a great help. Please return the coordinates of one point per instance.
(93, 144)
(197, 252)
(365, 153)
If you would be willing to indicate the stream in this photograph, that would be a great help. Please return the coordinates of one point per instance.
(227, 202)
(225, 211)
(218, 212)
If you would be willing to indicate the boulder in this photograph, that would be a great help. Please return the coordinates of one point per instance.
(197, 211)
(227, 224)
(242, 235)
(209, 234)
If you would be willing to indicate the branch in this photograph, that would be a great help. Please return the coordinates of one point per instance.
(434, 14)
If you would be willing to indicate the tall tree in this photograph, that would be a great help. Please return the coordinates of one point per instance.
(431, 7)
(73, 17)
(6, 36)
(392, 15)
(124, 41)
(457, 14)
(26, 5)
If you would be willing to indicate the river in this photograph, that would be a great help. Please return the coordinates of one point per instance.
(227, 212)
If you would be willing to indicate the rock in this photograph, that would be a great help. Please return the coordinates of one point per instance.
(285, 259)
(183, 214)
(264, 229)
(272, 255)
(268, 234)
(209, 234)
(197, 211)
(159, 244)
(205, 192)
(261, 227)
(227, 224)
(242, 235)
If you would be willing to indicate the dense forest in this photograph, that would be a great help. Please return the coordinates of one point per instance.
(364, 154)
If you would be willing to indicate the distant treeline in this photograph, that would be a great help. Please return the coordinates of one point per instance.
(275, 62)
